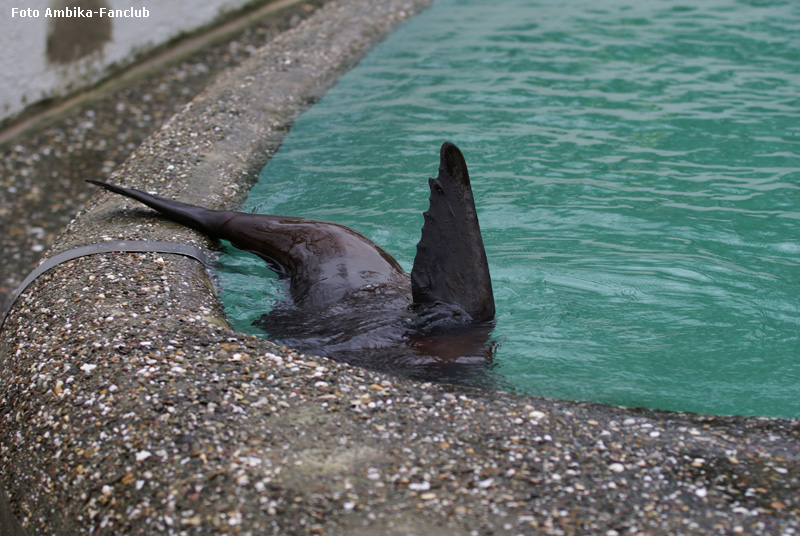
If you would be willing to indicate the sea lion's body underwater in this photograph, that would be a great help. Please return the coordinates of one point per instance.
(350, 300)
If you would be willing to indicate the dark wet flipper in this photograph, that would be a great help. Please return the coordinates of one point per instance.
(202, 219)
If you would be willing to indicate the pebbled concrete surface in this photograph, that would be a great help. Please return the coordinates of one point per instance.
(128, 406)
(42, 167)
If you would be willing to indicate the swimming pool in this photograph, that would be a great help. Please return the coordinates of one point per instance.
(635, 168)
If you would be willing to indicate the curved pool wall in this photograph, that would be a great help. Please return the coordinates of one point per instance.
(127, 405)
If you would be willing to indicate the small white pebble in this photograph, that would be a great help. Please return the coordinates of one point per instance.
(142, 455)
(616, 467)
(484, 484)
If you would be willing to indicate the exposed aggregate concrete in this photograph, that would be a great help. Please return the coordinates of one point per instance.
(128, 406)
(42, 172)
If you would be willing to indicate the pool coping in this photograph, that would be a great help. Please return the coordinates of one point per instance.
(128, 405)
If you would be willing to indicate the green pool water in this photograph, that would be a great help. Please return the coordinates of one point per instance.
(636, 167)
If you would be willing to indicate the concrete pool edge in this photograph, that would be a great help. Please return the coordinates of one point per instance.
(207, 429)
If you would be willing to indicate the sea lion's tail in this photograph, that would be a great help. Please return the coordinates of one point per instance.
(202, 219)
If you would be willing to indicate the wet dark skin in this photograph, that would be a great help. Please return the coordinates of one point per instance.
(351, 301)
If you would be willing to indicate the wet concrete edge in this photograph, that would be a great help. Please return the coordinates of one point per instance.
(128, 405)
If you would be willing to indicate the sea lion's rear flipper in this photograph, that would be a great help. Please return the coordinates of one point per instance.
(202, 219)
(450, 266)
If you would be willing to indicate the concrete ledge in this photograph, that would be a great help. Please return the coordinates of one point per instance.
(127, 405)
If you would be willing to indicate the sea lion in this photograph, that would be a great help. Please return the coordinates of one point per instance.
(350, 300)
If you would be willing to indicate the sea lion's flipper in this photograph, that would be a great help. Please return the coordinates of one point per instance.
(451, 265)
(202, 219)
(324, 261)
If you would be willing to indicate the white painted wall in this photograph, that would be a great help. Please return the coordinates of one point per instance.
(27, 76)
